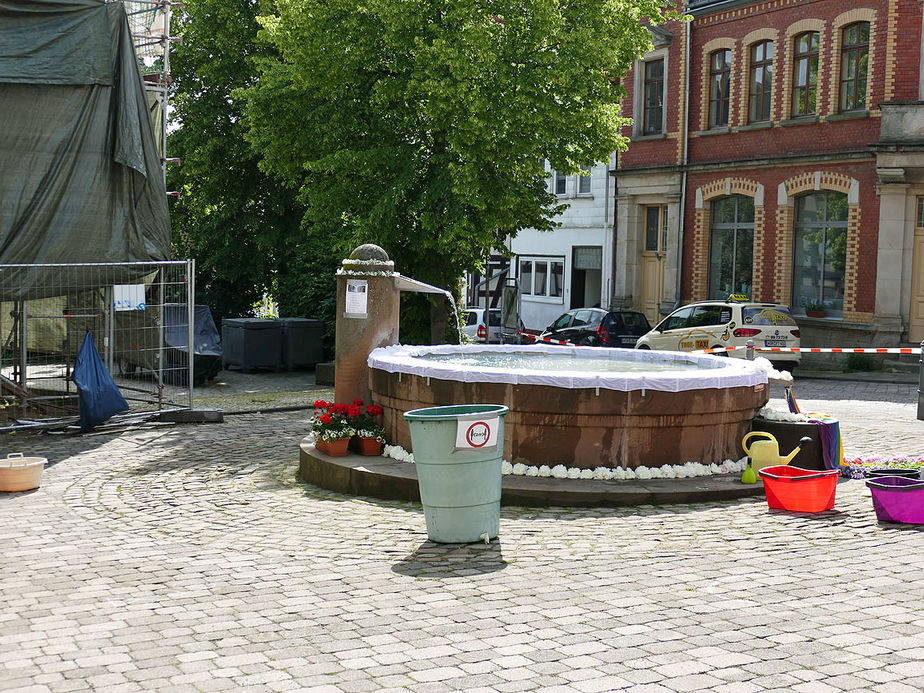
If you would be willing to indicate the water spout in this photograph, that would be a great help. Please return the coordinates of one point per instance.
(407, 284)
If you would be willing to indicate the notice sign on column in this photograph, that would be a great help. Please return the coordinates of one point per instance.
(357, 298)
(477, 434)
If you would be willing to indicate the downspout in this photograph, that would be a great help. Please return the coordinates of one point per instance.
(611, 174)
(611, 287)
(683, 179)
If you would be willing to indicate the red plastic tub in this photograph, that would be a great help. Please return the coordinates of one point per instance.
(898, 499)
(799, 490)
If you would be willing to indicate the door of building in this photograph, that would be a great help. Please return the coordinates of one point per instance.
(652, 261)
(916, 316)
(586, 269)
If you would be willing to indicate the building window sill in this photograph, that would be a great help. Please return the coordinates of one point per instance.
(762, 125)
(542, 299)
(799, 120)
(718, 130)
(642, 138)
(847, 115)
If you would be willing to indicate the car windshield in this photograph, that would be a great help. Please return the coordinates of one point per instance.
(628, 321)
(768, 315)
(635, 320)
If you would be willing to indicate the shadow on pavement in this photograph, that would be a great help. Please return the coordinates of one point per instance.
(432, 560)
(899, 526)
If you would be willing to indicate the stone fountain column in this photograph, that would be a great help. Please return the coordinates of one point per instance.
(368, 305)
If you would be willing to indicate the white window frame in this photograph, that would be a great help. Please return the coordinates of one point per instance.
(586, 174)
(638, 105)
(555, 178)
(529, 293)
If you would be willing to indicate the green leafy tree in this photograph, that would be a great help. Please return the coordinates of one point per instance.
(423, 126)
(241, 225)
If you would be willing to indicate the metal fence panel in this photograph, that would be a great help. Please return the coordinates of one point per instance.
(129, 308)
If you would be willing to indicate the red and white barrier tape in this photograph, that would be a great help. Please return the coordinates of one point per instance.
(546, 340)
(815, 350)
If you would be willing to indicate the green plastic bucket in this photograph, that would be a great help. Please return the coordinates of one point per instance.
(458, 452)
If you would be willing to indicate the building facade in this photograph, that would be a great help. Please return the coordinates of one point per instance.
(570, 267)
(777, 150)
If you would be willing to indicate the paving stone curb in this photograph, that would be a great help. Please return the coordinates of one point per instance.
(382, 477)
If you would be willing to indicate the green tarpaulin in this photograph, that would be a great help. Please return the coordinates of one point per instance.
(80, 174)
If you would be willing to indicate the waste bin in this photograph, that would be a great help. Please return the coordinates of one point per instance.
(458, 451)
(302, 342)
(251, 343)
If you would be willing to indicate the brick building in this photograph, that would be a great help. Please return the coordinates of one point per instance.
(778, 150)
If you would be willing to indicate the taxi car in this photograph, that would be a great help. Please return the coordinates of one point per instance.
(732, 322)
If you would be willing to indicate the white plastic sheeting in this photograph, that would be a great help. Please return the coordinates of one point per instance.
(705, 371)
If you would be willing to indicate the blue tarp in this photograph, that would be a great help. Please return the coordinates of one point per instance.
(100, 397)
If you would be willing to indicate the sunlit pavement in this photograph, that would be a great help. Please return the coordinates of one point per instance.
(190, 558)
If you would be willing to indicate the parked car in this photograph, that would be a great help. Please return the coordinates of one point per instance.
(711, 324)
(598, 327)
(477, 331)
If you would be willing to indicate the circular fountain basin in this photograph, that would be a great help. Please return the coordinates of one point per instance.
(582, 407)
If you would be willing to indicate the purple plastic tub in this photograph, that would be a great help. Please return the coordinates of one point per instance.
(898, 499)
(899, 471)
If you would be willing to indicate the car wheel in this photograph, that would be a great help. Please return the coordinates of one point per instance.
(782, 366)
(644, 347)
(720, 353)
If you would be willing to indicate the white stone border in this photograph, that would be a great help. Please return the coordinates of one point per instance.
(560, 471)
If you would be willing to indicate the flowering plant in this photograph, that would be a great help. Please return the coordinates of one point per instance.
(331, 421)
(364, 421)
(859, 467)
(334, 420)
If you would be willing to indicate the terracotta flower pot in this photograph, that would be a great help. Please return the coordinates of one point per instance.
(335, 448)
(815, 313)
(367, 446)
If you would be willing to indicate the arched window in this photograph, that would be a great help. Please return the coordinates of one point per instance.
(854, 62)
(719, 87)
(761, 81)
(805, 74)
(820, 252)
(731, 246)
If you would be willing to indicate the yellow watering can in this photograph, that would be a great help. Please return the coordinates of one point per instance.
(765, 453)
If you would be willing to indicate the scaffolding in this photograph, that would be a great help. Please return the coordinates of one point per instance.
(129, 301)
(149, 22)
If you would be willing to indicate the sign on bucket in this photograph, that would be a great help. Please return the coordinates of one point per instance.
(477, 434)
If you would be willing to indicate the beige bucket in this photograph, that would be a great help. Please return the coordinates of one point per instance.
(18, 473)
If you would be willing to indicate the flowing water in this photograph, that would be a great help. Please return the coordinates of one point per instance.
(455, 311)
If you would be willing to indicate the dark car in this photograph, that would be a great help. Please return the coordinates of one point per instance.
(598, 327)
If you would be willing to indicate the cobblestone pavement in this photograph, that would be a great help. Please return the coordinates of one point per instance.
(234, 391)
(189, 558)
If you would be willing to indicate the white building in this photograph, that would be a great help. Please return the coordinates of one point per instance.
(570, 267)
